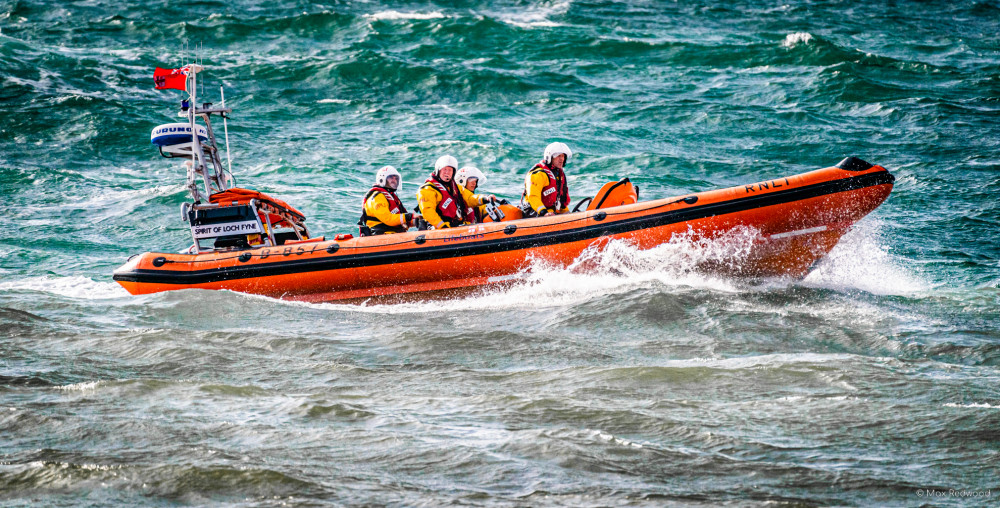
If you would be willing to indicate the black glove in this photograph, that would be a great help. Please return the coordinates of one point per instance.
(543, 212)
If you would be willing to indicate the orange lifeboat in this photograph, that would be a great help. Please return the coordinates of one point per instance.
(798, 219)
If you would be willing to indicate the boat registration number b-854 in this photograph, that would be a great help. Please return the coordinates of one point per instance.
(226, 229)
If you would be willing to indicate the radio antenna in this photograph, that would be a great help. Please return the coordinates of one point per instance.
(225, 128)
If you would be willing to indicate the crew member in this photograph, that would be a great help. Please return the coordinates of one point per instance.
(470, 177)
(383, 212)
(545, 189)
(442, 202)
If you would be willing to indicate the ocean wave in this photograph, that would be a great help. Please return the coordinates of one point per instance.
(628, 376)
(974, 405)
(860, 262)
(180, 483)
(77, 286)
(30, 380)
(397, 15)
(965, 347)
(535, 16)
(792, 362)
(615, 268)
(379, 77)
(796, 38)
(106, 203)
(85, 386)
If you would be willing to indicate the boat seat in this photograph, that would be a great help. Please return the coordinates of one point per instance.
(612, 194)
(228, 242)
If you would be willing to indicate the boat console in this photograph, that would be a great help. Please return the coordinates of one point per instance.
(221, 217)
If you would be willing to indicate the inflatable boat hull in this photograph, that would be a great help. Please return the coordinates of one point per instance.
(794, 220)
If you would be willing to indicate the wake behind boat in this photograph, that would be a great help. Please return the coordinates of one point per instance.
(249, 242)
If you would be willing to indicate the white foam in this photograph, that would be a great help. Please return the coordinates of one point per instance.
(106, 203)
(87, 386)
(973, 405)
(796, 38)
(394, 15)
(73, 287)
(125, 54)
(759, 361)
(101, 467)
(333, 101)
(616, 269)
(535, 16)
(531, 24)
(861, 261)
(610, 438)
(869, 110)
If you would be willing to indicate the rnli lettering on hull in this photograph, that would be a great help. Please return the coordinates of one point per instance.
(768, 185)
(227, 229)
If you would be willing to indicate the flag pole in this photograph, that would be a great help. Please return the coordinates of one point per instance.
(196, 149)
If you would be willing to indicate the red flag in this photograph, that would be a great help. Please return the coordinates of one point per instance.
(171, 78)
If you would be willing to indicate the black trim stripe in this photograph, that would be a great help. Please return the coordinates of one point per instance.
(426, 253)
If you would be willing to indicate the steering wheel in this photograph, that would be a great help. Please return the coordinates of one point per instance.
(578, 205)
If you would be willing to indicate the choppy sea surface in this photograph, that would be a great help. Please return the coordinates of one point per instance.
(628, 379)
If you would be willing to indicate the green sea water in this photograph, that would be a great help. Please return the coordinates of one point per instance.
(629, 379)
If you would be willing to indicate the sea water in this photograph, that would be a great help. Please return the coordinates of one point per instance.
(630, 378)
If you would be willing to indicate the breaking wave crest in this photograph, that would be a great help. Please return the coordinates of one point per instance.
(535, 16)
(861, 262)
(797, 38)
(397, 15)
(614, 267)
(72, 287)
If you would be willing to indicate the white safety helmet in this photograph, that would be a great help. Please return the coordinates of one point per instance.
(445, 160)
(555, 149)
(468, 172)
(383, 176)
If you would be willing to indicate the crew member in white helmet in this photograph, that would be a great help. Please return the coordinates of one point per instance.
(470, 177)
(383, 212)
(545, 189)
(442, 202)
